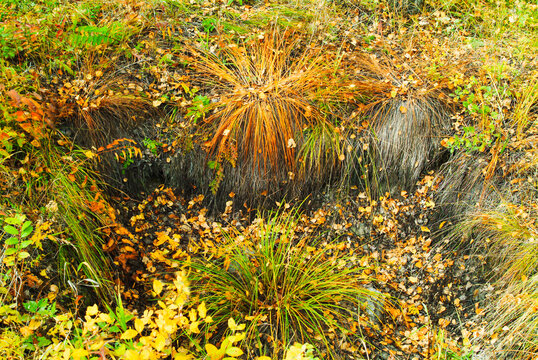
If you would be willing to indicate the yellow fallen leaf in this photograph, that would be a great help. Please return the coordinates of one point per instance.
(92, 310)
(139, 325)
(424, 228)
(192, 315)
(159, 342)
(193, 327)
(105, 318)
(183, 355)
(26, 331)
(157, 286)
(129, 334)
(97, 345)
(202, 310)
(89, 154)
(234, 351)
(162, 237)
(131, 355)
(79, 353)
(213, 352)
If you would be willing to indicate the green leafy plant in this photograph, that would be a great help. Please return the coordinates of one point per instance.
(209, 24)
(16, 243)
(199, 108)
(472, 140)
(90, 35)
(15, 246)
(9, 46)
(38, 312)
(152, 145)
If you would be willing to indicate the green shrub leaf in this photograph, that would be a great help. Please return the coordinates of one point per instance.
(11, 230)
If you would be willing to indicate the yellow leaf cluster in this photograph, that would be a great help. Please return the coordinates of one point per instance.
(146, 337)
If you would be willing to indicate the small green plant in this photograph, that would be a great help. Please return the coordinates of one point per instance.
(17, 242)
(9, 47)
(209, 24)
(38, 312)
(199, 108)
(219, 175)
(443, 350)
(96, 35)
(152, 145)
(478, 99)
(40, 307)
(472, 140)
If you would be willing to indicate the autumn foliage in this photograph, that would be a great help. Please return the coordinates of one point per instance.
(288, 180)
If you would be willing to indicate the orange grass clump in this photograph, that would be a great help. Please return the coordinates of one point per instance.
(267, 95)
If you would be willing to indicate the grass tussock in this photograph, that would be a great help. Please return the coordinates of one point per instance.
(406, 136)
(406, 114)
(101, 106)
(285, 290)
(464, 188)
(506, 237)
(265, 120)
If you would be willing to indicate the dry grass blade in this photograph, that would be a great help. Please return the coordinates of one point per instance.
(522, 111)
(464, 188)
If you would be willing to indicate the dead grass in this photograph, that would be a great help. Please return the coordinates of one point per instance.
(463, 188)
(406, 138)
(407, 114)
(527, 104)
(506, 237)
